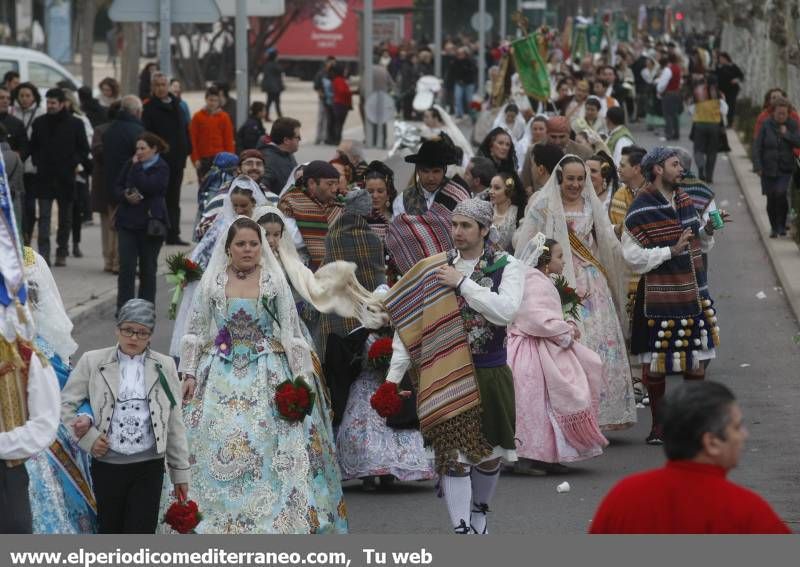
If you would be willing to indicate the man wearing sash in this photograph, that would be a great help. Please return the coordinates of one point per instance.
(674, 320)
(430, 183)
(450, 312)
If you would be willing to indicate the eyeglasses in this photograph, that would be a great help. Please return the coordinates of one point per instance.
(127, 332)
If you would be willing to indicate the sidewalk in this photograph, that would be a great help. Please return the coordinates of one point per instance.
(783, 252)
(88, 292)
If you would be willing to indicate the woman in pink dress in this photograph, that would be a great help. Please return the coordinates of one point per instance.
(557, 380)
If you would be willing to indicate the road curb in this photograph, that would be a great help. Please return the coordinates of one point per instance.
(783, 252)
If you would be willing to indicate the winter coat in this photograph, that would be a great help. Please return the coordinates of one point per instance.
(152, 184)
(772, 151)
(167, 120)
(272, 81)
(17, 136)
(27, 117)
(119, 145)
(248, 135)
(100, 198)
(278, 165)
(14, 170)
(58, 146)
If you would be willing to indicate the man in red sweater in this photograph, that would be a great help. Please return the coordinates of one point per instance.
(211, 132)
(703, 438)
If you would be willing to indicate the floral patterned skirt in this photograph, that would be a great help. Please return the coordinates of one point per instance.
(366, 446)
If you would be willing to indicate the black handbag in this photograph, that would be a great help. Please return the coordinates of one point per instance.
(156, 228)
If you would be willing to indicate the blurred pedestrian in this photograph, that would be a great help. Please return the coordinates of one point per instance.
(730, 78)
(28, 107)
(176, 89)
(324, 100)
(252, 130)
(462, 74)
(342, 101)
(144, 79)
(109, 91)
(279, 160)
(101, 201)
(211, 132)
(272, 82)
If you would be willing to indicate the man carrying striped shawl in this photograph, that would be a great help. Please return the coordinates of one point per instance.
(311, 208)
(450, 312)
(674, 321)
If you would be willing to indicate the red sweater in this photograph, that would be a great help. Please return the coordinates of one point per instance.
(211, 134)
(341, 92)
(684, 497)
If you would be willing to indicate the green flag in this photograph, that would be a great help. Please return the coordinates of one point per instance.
(594, 35)
(579, 48)
(531, 68)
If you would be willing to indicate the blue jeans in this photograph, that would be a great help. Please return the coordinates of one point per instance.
(463, 95)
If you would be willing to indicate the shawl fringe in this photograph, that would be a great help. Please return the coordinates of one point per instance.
(581, 430)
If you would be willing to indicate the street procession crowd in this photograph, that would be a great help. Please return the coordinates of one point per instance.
(490, 317)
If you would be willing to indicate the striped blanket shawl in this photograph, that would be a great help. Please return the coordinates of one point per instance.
(674, 289)
(427, 318)
(411, 238)
(313, 219)
(699, 191)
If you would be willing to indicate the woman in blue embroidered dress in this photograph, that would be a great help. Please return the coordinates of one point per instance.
(255, 472)
(60, 488)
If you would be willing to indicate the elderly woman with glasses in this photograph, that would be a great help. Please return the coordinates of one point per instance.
(135, 396)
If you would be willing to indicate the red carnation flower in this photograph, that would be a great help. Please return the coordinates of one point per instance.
(183, 517)
(294, 399)
(386, 400)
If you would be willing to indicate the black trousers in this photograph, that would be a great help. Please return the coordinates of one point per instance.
(28, 208)
(340, 115)
(274, 98)
(672, 106)
(81, 211)
(706, 146)
(64, 226)
(776, 189)
(127, 496)
(16, 515)
(136, 248)
(173, 199)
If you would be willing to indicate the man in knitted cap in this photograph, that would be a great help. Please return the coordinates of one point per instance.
(453, 336)
(674, 328)
(311, 207)
(430, 183)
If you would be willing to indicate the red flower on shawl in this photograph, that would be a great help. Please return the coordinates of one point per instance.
(386, 400)
(183, 517)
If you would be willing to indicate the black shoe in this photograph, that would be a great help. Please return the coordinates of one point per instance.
(76, 252)
(782, 233)
(61, 261)
(773, 234)
(387, 481)
(368, 484)
(654, 439)
(176, 241)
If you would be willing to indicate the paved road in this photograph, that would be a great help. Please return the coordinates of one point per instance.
(758, 359)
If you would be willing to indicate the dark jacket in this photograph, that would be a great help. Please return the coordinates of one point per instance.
(14, 170)
(772, 151)
(272, 82)
(95, 112)
(463, 71)
(278, 165)
(17, 136)
(119, 145)
(168, 121)
(58, 145)
(100, 197)
(152, 184)
(249, 134)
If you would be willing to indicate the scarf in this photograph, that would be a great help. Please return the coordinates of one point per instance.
(449, 194)
(351, 239)
(427, 318)
(312, 218)
(411, 238)
(572, 375)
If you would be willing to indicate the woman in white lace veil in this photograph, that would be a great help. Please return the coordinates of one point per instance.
(516, 130)
(333, 288)
(204, 249)
(291, 181)
(256, 472)
(593, 266)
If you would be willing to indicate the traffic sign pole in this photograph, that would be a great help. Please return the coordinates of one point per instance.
(437, 38)
(481, 49)
(242, 82)
(165, 33)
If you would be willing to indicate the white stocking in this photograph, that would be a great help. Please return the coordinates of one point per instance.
(458, 496)
(484, 484)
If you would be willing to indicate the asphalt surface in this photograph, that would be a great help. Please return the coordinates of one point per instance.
(758, 358)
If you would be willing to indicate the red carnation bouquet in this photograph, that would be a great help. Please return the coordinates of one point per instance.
(183, 517)
(379, 354)
(386, 400)
(182, 271)
(294, 399)
(571, 302)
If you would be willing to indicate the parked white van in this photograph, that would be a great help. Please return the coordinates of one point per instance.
(36, 67)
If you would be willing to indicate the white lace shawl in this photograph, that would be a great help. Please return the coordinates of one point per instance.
(52, 323)
(210, 304)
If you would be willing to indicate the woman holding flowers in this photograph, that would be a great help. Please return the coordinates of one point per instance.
(557, 380)
(259, 437)
(567, 210)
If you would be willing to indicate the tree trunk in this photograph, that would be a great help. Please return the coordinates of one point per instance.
(132, 37)
(88, 9)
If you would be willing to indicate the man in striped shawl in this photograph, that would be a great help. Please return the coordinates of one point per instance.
(674, 327)
(311, 208)
(450, 312)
